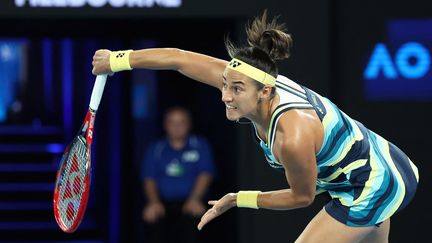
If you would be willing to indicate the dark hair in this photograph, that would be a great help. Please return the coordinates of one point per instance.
(268, 41)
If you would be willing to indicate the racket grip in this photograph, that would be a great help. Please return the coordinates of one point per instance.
(97, 92)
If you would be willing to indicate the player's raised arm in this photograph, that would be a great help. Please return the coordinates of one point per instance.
(197, 66)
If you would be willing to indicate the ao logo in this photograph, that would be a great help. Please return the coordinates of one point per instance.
(411, 61)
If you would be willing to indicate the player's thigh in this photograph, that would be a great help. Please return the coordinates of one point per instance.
(324, 228)
(379, 234)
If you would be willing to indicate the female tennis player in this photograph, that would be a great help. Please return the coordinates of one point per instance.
(316, 145)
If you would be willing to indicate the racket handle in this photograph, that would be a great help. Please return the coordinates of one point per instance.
(98, 89)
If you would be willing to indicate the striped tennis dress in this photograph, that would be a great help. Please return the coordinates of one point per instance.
(368, 178)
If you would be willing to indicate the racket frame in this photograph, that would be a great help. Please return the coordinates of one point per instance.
(85, 135)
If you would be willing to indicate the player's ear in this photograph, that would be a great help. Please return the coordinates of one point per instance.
(266, 92)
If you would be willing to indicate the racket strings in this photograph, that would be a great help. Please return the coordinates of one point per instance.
(73, 182)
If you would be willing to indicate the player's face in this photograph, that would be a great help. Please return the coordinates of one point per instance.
(177, 125)
(240, 95)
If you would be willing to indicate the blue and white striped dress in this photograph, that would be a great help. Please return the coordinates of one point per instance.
(368, 178)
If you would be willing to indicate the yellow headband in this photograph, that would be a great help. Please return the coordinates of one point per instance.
(252, 72)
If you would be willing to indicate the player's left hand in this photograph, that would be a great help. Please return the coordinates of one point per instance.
(219, 207)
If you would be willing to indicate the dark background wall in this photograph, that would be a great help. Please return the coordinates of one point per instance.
(332, 42)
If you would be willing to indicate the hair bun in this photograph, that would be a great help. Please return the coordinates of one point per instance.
(269, 37)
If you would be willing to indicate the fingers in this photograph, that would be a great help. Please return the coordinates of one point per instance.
(208, 216)
(100, 62)
(201, 225)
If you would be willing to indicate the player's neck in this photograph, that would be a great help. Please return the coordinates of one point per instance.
(264, 113)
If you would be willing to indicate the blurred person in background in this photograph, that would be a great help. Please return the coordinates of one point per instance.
(177, 172)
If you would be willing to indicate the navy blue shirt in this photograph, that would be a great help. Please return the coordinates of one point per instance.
(176, 171)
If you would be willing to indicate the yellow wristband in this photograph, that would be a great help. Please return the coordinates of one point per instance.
(247, 199)
(119, 60)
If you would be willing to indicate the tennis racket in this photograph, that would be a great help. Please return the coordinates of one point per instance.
(74, 174)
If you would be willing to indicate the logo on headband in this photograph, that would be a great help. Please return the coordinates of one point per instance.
(234, 63)
(252, 72)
